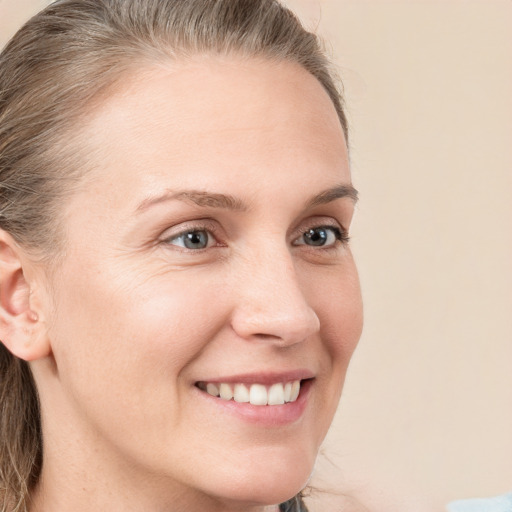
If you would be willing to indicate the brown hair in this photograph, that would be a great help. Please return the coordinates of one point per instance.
(56, 64)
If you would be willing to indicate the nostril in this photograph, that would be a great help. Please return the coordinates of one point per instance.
(264, 336)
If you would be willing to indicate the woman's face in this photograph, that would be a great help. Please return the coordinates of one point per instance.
(205, 252)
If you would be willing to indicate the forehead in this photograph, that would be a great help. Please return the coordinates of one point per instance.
(213, 114)
(208, 85)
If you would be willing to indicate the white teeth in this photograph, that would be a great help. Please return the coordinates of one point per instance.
(295, 390)
(225, 391)
(212, 389)
(241, 393)
(276, 394)
(257, 394)
(288, 392)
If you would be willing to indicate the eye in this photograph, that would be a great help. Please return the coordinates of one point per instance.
(194, 239)
(321, 236)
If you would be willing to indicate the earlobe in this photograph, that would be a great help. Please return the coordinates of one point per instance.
(21, 329)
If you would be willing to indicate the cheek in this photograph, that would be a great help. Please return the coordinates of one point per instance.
(130, 334)
(336, 298)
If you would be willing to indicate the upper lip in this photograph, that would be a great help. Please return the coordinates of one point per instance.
(267, 377)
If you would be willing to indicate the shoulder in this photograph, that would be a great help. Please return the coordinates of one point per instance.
(497, 504)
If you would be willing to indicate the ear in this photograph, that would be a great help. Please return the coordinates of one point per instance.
(22, 328)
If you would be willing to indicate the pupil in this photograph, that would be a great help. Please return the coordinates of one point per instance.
(196, 240)
(316, 236)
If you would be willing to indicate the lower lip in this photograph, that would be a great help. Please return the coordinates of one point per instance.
(264, 415)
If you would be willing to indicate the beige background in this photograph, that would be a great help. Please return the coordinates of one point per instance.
(426, 415)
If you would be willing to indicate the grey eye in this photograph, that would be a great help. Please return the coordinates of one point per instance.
(319, 237)
(195, 239)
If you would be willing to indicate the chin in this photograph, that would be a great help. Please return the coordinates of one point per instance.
(269, 479)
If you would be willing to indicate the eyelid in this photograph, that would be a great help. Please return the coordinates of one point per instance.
(214, 230)
(185, 227)
(339, 233)
(320, 221)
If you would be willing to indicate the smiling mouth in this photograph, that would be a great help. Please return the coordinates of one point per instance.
(256, 394)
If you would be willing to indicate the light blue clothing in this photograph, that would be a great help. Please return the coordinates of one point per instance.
(497, 504)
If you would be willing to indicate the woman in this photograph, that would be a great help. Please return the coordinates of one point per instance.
(179, 303)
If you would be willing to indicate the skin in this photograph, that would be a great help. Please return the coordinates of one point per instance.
(131, 320)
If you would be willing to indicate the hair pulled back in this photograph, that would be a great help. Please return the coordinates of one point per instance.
(54, 67)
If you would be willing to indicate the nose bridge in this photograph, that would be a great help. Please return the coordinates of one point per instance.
(271, 304)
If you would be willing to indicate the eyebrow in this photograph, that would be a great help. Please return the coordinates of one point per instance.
(229, 202)
(198, 197)
(331, 194)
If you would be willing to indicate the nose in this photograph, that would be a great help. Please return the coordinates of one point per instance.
(271, 306)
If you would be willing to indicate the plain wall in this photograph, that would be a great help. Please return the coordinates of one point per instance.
(426, 415)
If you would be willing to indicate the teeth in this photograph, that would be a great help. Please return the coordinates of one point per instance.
(241, 393)
(276, 394)
(295, 391)
(256, 394)
(288, 392)
(212, 389)
(225, 391)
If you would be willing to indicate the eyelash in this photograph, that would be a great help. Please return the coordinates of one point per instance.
(340, 235)
(206, 227)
